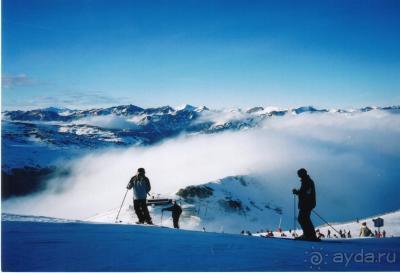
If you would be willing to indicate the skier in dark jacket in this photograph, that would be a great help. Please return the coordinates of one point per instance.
(307, 202)
(141, 187)
(176, 213)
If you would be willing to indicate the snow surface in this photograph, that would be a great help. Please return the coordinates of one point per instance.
(39, 246)
(391, 225)
(29, 218)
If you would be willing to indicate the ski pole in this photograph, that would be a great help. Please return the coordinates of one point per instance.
(123, 200)
(326, 222)
(294, 213)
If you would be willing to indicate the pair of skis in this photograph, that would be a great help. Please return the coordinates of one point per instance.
(298, 240)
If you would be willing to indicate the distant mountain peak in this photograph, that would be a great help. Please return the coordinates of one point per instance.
(185, 107)
(54, 109)
(201, 109)
(310, 109)
(255, 109)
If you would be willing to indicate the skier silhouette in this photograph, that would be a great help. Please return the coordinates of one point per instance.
(307, 202)
(176, 213)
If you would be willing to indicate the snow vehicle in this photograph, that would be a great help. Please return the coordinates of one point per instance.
(158, 200)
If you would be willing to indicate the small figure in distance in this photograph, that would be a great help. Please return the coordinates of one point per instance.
(365, 231)
(319, 234)
(348, 234)
(176, 213)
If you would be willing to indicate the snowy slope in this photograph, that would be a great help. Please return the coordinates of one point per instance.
(33, 246)
(7, 217)
(230, 205)
(221, 224)
(391, 225)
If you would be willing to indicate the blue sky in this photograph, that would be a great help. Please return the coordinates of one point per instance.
(217, 53)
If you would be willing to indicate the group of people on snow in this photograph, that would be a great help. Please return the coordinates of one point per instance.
(341, 234)
(140, 185)
(366, 232)
(307, 202)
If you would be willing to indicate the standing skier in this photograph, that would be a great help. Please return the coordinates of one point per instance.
(176, 213)
(307, 203)
(141, 187)
(365, 231)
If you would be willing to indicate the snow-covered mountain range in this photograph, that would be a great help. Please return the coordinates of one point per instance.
(40, 137)
(36, 143)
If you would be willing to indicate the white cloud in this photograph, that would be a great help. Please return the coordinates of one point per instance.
(220, 117)
(66, 99)
(10, 81)
(108, 121)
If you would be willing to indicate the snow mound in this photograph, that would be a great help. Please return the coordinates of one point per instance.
(230, 205)
(7, 217)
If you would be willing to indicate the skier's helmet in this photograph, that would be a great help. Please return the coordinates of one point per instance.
(141, 171)
(302, 172)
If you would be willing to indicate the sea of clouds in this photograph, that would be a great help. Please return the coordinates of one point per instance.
(353, 159)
